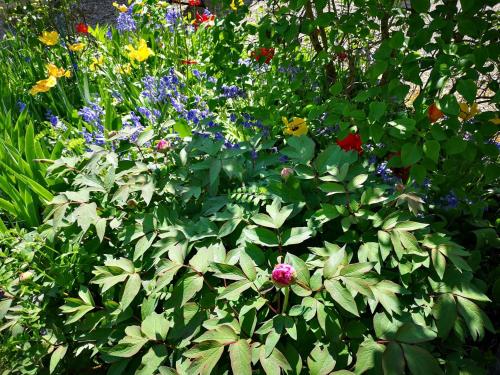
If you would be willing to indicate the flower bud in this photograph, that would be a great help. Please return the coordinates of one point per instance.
(162, 146)
(25, 276)
(286, 173)
(283, 275)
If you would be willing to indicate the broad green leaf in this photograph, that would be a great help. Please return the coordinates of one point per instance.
(475, 318)
(262, 236)
(412, 333)
(369, 356)
(445, 313)
(223, 334)
(132, 287)
(241, 356)
(152, 360)
(320, 361)
(420, 361)
(302, 272)
(333, 263)
(234, 290)
(341, 296)
(295, 236)
(393, 360)
(467, 88)
(56, 357)
(155, 326)
(300, 149)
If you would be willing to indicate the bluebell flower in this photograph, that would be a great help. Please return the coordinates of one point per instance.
(92, 114)
(27, 59)
(109, 33)
(384, 172)
(232, 91)
(125, 22)
(450, 200)
(283, 158)
(21, 106)
(254, 154)
(173, 17)
(218, 136)
(232, 117)
(426, 184)
(212, 80)
(372, 159)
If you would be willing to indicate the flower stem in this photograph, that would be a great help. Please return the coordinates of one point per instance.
(285, 302)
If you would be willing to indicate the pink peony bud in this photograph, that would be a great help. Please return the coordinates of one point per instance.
(283, 274)
(162, 145)
(286, 172)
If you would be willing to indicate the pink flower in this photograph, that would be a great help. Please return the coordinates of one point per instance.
(283, 274)
(162, 145)
(286, 172)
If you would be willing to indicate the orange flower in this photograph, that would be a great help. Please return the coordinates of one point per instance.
(434, 113)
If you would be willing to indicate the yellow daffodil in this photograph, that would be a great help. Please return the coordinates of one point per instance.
(123, 69)
(96, 62)
(140, 54)
(77, 47)
(56, 72)
(297, 127)
(121, 7)
(233, 4)
(49, 38)
(44, 85)
(467, 112)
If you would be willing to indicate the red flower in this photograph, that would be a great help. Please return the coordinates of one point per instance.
(189, 62)
(82, 28)
(204, 18)
(342, 56)
(267, 53)
(434, 113)
(351, 142)
(194, 3)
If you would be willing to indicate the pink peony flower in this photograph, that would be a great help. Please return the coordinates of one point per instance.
(162, 145)
(286, 172)
(283, 274)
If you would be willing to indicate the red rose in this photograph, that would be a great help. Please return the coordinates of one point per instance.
(195, 3)
(82, 28)
(351, 142)
(434, 113)
(267, 53)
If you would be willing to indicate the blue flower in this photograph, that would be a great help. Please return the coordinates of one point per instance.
(232, 117)
(450, 200)
(21, 106)
(254, 154)
(173, 17)
(232, 91)
(125, 22)
(283, 158)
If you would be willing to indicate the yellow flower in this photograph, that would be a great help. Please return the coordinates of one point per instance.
(77, 47)
(96, 62)
(49, 38)
(121, 7)
(297, 127)
(56, 72)
(233, 4)
(123, 69)
(466, 112)
(141, 53)
(44, 85)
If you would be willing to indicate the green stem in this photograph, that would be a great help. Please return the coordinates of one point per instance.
(285, 302)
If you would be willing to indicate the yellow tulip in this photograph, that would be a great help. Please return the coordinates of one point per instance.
(54, 71)
(44, 85)
(77, 47)
(96, 62)
(49, 38)
(140, 54)
(467, 112)
(296, 128)
(121, 7)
